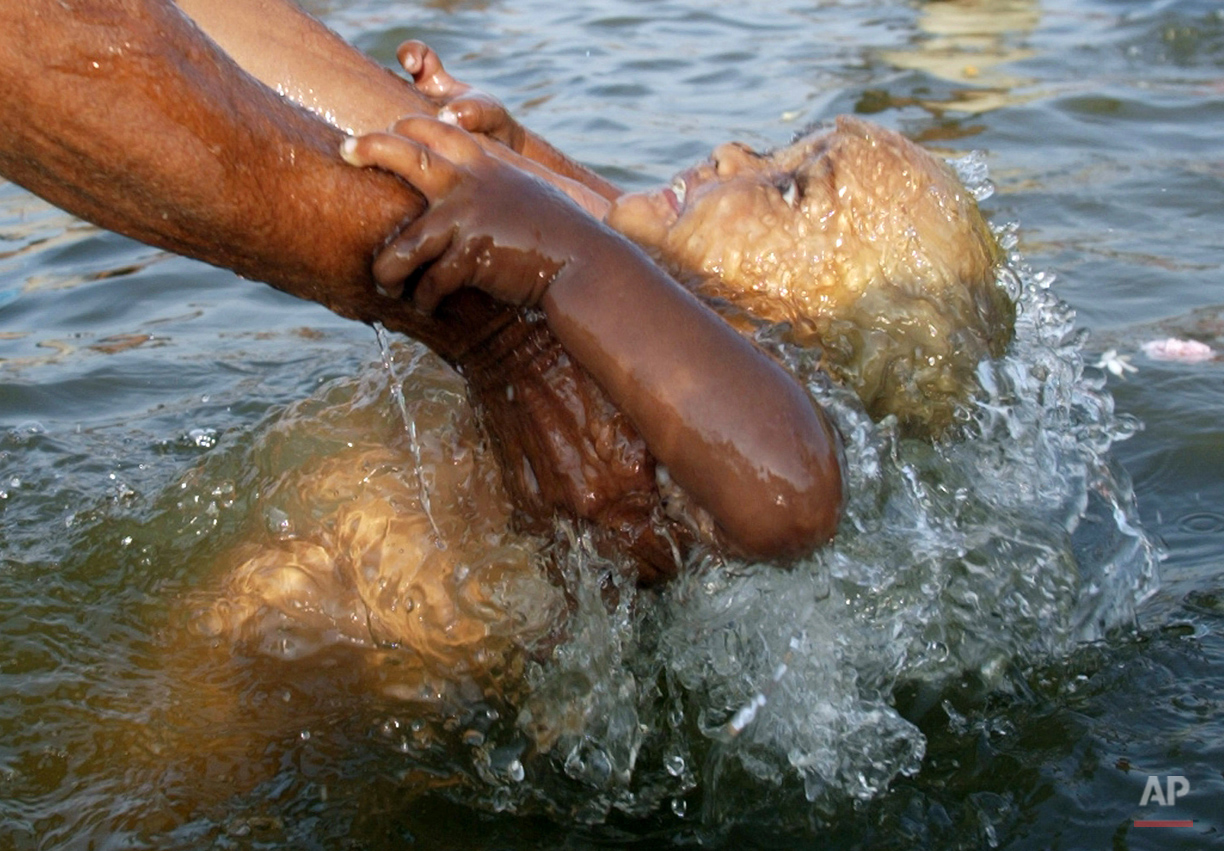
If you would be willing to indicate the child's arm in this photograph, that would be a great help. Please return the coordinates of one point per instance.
(478, 112)
(734, 429)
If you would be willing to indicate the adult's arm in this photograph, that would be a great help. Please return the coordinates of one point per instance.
(300, 58)
(122, 112)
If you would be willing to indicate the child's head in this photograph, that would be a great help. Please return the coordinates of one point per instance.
(865, 243)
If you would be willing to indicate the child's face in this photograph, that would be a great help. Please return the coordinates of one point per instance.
(741, 216)
(815, 223)
(864, 242)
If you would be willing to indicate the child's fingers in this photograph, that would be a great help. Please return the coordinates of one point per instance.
(425, 66)
(406, 254)
(411, 55)
(430, 172)
(438, 281)
(451, 142)
(476, 113)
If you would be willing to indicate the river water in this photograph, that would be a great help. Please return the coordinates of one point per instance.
(1013, 633)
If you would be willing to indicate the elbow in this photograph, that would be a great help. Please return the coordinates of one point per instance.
(789, 527)
(791, 514)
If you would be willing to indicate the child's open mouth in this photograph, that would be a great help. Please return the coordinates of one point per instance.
(675, 193)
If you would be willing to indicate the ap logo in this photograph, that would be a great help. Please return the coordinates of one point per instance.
(1176, 786)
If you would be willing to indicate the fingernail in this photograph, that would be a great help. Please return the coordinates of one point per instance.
(447, 116)
(393, 291)
(348, 151)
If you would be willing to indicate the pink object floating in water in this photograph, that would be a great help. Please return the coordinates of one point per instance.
(1185, 351)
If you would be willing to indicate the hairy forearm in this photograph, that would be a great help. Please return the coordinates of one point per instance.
(129, 117)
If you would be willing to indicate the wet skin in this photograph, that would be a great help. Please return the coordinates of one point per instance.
(691, 385)
(295, 55)
(313, 66)
(129, 117)
(945, 256)
(865, 244)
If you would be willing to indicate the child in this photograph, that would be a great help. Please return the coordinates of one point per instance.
(865, 244)
(582, 397)
(376, 549)
(888, 266)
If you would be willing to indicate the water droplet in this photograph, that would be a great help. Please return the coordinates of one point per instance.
(1202, 523)
(679, 807)
(674, 765)
(414, 445)
(203, 438)
(278, 522)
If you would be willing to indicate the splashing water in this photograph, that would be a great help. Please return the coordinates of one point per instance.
(396, 387)
(970, 558)
(1015, 541)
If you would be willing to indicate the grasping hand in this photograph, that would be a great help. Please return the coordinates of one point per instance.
(462, 105)
(488, 224)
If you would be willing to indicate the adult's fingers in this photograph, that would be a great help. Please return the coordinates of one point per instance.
(430, 172)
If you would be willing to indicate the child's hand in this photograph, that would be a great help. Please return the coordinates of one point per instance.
(462, 105)
(488, 224)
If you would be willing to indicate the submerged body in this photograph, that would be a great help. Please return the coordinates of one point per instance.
(621, 358)
(385, 539)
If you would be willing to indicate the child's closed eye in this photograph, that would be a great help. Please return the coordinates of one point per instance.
(789, 189)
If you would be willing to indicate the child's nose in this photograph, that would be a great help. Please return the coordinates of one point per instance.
(732, 157)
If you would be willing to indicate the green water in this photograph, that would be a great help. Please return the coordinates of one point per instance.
(141, 396)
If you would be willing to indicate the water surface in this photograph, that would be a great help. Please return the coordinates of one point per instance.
(967, 667)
